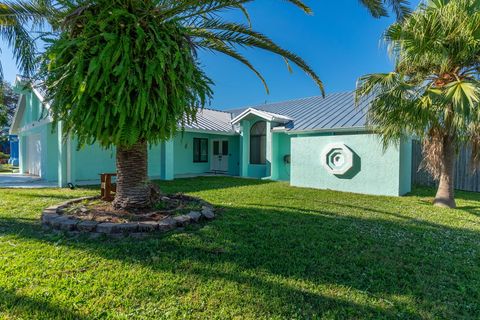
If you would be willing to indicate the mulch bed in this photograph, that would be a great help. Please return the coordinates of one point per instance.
(97, 217)
(102, 211)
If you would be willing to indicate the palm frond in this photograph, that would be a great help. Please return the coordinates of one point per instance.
(380, 8)
(233, 34)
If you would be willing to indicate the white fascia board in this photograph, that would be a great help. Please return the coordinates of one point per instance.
(14, 125)
(41, 98)
(225, 133)
(350, 129)
(272, 117)
(36, 124)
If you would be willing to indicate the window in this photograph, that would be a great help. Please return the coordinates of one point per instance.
(258, 143)
(225, 147)
(200, 150)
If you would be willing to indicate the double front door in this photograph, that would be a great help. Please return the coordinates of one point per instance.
(220, 155)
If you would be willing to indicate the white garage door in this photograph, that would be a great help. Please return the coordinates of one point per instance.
(34, 155)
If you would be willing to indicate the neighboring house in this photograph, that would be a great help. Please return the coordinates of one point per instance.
(312, 142)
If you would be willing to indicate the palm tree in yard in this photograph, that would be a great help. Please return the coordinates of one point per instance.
(125, 73)
(434, 92)
(15, 18)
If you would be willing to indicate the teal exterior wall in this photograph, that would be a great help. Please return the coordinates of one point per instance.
(34, 109)
(92, 160)
(183, 150)
(281, 146)
(374, 172)
(49, 146)
(253, 170)
(154, 161)
(406, 149)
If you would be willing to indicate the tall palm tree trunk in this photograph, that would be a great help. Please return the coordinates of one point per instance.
(133, 188)
(445, 194)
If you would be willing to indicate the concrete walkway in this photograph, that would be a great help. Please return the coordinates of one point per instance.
(15, 180)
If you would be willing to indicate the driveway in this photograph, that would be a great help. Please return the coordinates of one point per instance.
(15, 180)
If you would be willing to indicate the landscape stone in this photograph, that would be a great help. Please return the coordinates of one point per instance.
(87, 226)
(167, 225)
(182, 220)
(127, 227)
(68, 224)
(195, 215)
(57, 222)
(107, 227)
(50, 210)
(48, 217)
(147, 226)
(139, 230)
(208, 213)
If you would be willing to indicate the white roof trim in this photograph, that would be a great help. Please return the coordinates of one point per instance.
(14, 127)
(223, 133)
(269, 116)
(329, 130)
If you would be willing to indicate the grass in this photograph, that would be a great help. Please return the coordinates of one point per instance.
(7, 168)
(275, 252)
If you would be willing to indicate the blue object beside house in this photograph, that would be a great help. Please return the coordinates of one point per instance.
(312, 142)
(13, 141)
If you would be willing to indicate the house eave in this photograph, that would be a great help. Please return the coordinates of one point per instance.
(331, 130)
(261, 114)
(216, 132)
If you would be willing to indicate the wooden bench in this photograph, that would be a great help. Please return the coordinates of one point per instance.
(107, 187)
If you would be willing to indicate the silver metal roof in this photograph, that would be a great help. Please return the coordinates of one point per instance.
(335, 111)
(212, 120)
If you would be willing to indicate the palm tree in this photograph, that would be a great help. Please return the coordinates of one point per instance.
(380, 8)
(15, 17)
(125, 73)
(434, 92)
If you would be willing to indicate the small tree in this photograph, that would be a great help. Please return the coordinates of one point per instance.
(8, 103)
(434, 92)
(125, 73)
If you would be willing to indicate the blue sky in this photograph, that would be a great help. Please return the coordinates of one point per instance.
(341, 42)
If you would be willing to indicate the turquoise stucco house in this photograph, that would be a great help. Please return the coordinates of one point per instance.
(312, 142)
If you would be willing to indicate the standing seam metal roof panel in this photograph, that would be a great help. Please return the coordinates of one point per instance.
(335, 111)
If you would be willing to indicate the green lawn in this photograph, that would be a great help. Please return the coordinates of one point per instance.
(275, 252)
(7, 168)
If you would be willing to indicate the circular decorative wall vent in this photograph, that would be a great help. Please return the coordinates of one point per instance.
(337, 158)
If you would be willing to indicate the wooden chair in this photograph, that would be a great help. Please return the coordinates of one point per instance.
(107, 187)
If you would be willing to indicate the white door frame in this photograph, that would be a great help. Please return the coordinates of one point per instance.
(220, 162)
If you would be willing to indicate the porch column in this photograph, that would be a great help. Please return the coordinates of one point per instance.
(62, 157)
(22, 156)
(71, 159)
(168, 158)
(268, 150)
(275, 159)
(245, 148)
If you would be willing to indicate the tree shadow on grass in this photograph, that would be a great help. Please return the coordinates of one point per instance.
(199, 184)
(433, 265)
(21, 306)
